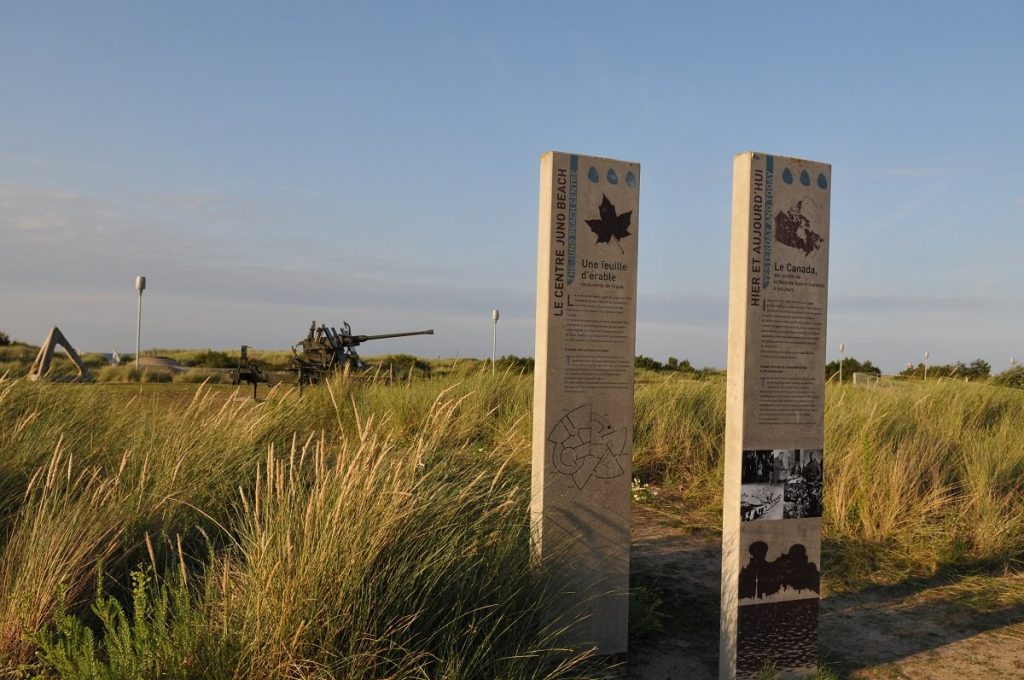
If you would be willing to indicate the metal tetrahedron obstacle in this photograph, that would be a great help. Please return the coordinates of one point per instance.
(41, 366)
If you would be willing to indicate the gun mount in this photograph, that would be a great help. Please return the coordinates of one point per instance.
(248, 372)
(326, 350)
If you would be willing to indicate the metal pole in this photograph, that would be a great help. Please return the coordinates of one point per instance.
(842, 348)
(926, 365)
(140, 285)
(495, 314)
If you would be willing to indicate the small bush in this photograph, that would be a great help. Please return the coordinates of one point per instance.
(211, 359)
(519, 364)
(199, 375)
(399, 366)
(646, 618)
(162, 635)
(1013, 377)
(130, 374)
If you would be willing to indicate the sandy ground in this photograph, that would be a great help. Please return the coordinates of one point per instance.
(931, 631)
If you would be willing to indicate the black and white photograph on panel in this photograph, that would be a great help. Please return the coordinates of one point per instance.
(781, 484)
(779, 561)
(802, 495)
(762, 486)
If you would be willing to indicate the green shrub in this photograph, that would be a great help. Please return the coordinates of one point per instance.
(399, 366)
(1012, 377)
(516, 363)
(164, 633)
(646, 615)
(849, 366)
(211, 359)
(199, 375)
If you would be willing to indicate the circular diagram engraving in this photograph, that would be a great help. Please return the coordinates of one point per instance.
(584, 445)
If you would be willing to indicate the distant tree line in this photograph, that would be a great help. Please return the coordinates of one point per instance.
(979, 369)
(850, 366)
(674, 365)
(516, 363)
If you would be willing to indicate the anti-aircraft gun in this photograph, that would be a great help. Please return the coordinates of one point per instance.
(326, 350)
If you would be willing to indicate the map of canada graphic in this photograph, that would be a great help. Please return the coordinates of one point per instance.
(585, 445)
(793, 229)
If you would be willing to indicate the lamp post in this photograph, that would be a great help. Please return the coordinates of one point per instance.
(926, 365)
(495, 315)
(140, 285)
(842, 348)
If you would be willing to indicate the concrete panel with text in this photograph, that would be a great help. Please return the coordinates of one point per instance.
(583, 390)
(774, 457)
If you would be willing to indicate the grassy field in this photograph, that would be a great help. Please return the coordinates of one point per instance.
(378, 528)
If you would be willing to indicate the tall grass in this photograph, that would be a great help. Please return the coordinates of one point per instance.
(919, 477)
(922, 478)
(362, 530)
(378, 528)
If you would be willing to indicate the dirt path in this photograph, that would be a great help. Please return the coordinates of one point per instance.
(939, 631)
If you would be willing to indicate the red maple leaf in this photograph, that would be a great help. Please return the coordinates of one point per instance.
(610, 223)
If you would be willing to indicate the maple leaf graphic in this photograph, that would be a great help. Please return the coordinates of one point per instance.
(610, 224)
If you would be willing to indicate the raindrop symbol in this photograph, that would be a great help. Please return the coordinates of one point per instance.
(630, 179)
(787, 176)
(612, 177)
(805, 179)
(592, 174)
(822, 182)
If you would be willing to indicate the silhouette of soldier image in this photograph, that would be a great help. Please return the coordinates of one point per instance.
(796, 571)
(755, 577)
(792, 570)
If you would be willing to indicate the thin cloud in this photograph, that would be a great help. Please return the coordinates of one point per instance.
(200, 202)
(51, 162)
(71, 258)
(900, 304)
(909, 171)
(39, 211)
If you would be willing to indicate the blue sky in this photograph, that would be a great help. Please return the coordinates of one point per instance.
(266, 165)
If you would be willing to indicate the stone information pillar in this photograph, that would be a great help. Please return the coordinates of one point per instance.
(774, 432)
(583, 389)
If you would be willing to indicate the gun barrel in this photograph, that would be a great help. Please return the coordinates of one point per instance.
(364, 338)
